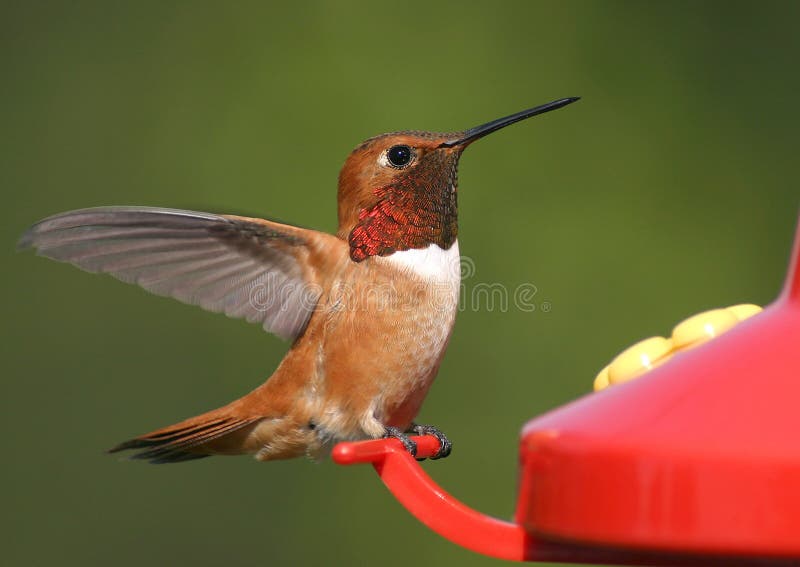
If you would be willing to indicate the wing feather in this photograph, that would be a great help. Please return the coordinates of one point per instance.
(261, 271)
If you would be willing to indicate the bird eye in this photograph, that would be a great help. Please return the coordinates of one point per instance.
(399, 156)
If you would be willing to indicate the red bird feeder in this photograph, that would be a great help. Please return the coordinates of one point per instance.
(697, 463)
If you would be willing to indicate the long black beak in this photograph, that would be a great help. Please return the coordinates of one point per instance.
(473, 134)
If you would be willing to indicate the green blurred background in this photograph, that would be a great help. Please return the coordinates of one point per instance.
(669, 189)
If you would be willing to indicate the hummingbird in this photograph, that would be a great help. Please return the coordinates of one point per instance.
(369, 311)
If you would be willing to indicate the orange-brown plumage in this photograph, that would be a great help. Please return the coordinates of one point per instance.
(369, 311)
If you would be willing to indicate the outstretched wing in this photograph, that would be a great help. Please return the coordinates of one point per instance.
(253, 269)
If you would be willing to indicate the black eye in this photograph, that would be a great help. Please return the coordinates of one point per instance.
(399, 156)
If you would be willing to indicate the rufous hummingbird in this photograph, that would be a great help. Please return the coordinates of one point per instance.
(369, 310)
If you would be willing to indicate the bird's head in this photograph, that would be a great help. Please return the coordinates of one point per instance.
(398, 191)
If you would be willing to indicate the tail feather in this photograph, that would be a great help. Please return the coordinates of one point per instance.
(184, 441)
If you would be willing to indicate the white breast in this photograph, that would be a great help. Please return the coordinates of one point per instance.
(431, 263)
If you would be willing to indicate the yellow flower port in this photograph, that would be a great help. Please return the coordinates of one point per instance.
(649, 353)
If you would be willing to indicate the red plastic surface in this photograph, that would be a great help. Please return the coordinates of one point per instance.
(451, 519)
(700, 455)
(448, 517)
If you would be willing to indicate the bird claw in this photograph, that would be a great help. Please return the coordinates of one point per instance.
(445, 446)
(395, 433)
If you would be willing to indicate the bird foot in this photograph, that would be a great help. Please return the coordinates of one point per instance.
(395, 433)
(445, 446)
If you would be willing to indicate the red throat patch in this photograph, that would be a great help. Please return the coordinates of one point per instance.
(414, 211)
